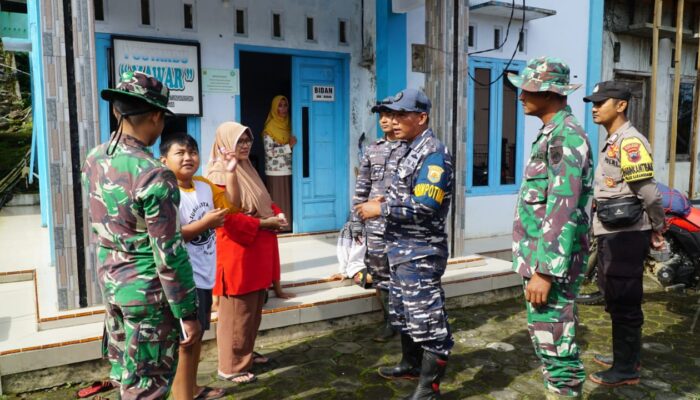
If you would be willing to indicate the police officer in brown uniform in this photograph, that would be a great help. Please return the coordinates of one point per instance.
(628, 218)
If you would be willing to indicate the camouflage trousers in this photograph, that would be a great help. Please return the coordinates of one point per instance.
(142, 348)
(552, 329)
(417, 303)
(377, 261)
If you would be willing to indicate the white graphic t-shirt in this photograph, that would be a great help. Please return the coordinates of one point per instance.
(203, 197)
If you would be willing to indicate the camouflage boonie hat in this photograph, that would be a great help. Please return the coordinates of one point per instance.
(137, 85)
(544, 74)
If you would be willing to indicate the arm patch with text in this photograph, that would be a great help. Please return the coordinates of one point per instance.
(433, 179)
(635, 160)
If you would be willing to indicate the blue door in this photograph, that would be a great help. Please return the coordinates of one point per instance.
(319, 115)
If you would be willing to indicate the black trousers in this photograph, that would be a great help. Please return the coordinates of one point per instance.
(620, 269)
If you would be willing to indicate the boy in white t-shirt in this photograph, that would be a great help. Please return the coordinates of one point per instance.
(203, 207)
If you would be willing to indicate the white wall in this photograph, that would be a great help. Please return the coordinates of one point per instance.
(564, 35)
(415, 33)
(214, 30)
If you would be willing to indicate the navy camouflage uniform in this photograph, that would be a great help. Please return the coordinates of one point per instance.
(375, 175)
(416, 208)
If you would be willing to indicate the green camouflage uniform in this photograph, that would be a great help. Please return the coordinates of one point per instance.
(551, 227)
(145, 274)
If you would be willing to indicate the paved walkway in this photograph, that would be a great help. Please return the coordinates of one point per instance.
(493, 359)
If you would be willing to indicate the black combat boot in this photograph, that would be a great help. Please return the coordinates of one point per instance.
(387, 331)
(626, 356)
(432, 370)
(607, 361)
(410, 365)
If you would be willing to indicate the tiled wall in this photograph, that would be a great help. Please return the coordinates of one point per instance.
(58, 135)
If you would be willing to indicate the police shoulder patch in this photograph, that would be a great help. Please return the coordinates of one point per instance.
(635, 159)
(435, 173)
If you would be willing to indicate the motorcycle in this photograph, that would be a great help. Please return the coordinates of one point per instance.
(678, 268)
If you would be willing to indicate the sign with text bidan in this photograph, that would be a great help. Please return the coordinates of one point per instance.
(323, 93)
(173, 63)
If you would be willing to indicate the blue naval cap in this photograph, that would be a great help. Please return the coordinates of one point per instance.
(410, 100)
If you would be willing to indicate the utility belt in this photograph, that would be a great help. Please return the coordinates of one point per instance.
(619, 213)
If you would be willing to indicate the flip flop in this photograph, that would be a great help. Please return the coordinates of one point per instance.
(210, 393)
(96, 387)
(259, 358)
(236, 378)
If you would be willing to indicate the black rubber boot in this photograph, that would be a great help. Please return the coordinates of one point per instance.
(626, 352)
(607, 361)
(431, 372)
(410, 365)
(386, 332)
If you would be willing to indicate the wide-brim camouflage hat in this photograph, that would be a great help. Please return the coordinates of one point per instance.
(137, 85)
(544, 74)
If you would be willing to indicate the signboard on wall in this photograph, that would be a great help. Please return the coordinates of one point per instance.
(176, 64)
(220, 81)
(323, 93)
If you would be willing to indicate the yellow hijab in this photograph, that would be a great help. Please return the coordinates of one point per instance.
(278, 127)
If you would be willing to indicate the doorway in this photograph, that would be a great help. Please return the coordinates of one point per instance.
(271, 76)
(315, 83)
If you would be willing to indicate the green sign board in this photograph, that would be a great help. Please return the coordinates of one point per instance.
(220, 81)
(13, 25)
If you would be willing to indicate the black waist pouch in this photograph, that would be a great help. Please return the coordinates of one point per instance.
(619, 213)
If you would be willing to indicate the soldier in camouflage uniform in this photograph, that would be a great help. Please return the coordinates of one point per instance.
(624, 176)
(376, 172)
(550, 243)
(145, 274)
(415, 209)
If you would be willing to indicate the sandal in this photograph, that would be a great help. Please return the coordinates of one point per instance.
(96, 387)
(210, 393)
(241, 378)
(259, 358)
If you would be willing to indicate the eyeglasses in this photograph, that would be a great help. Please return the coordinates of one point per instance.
(245, 142)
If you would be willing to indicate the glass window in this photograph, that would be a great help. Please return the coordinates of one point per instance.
(310, 29)
(342, 32)
(685, 121)
(99, 10)
(276, 26)
(189, 16)
(482, 116)
(495, 127)
(240, 22)
(509, 132)
(145, 12)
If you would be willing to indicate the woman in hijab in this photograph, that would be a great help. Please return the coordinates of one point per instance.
(247, 256)
(279, 141)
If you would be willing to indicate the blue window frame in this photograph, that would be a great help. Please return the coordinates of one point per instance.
(495, 128)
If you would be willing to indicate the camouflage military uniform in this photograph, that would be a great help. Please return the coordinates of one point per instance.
(377, 170)
(145, 274)
(416, 207)
(550, 229)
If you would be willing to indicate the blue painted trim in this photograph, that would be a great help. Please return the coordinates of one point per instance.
(595, 65)
(391, 61)
(494, 187)
(103, 43)
(39, 118)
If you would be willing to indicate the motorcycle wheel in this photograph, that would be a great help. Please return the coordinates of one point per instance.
(589, 293)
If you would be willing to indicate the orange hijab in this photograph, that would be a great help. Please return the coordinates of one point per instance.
(255, 199)
(278, 127)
